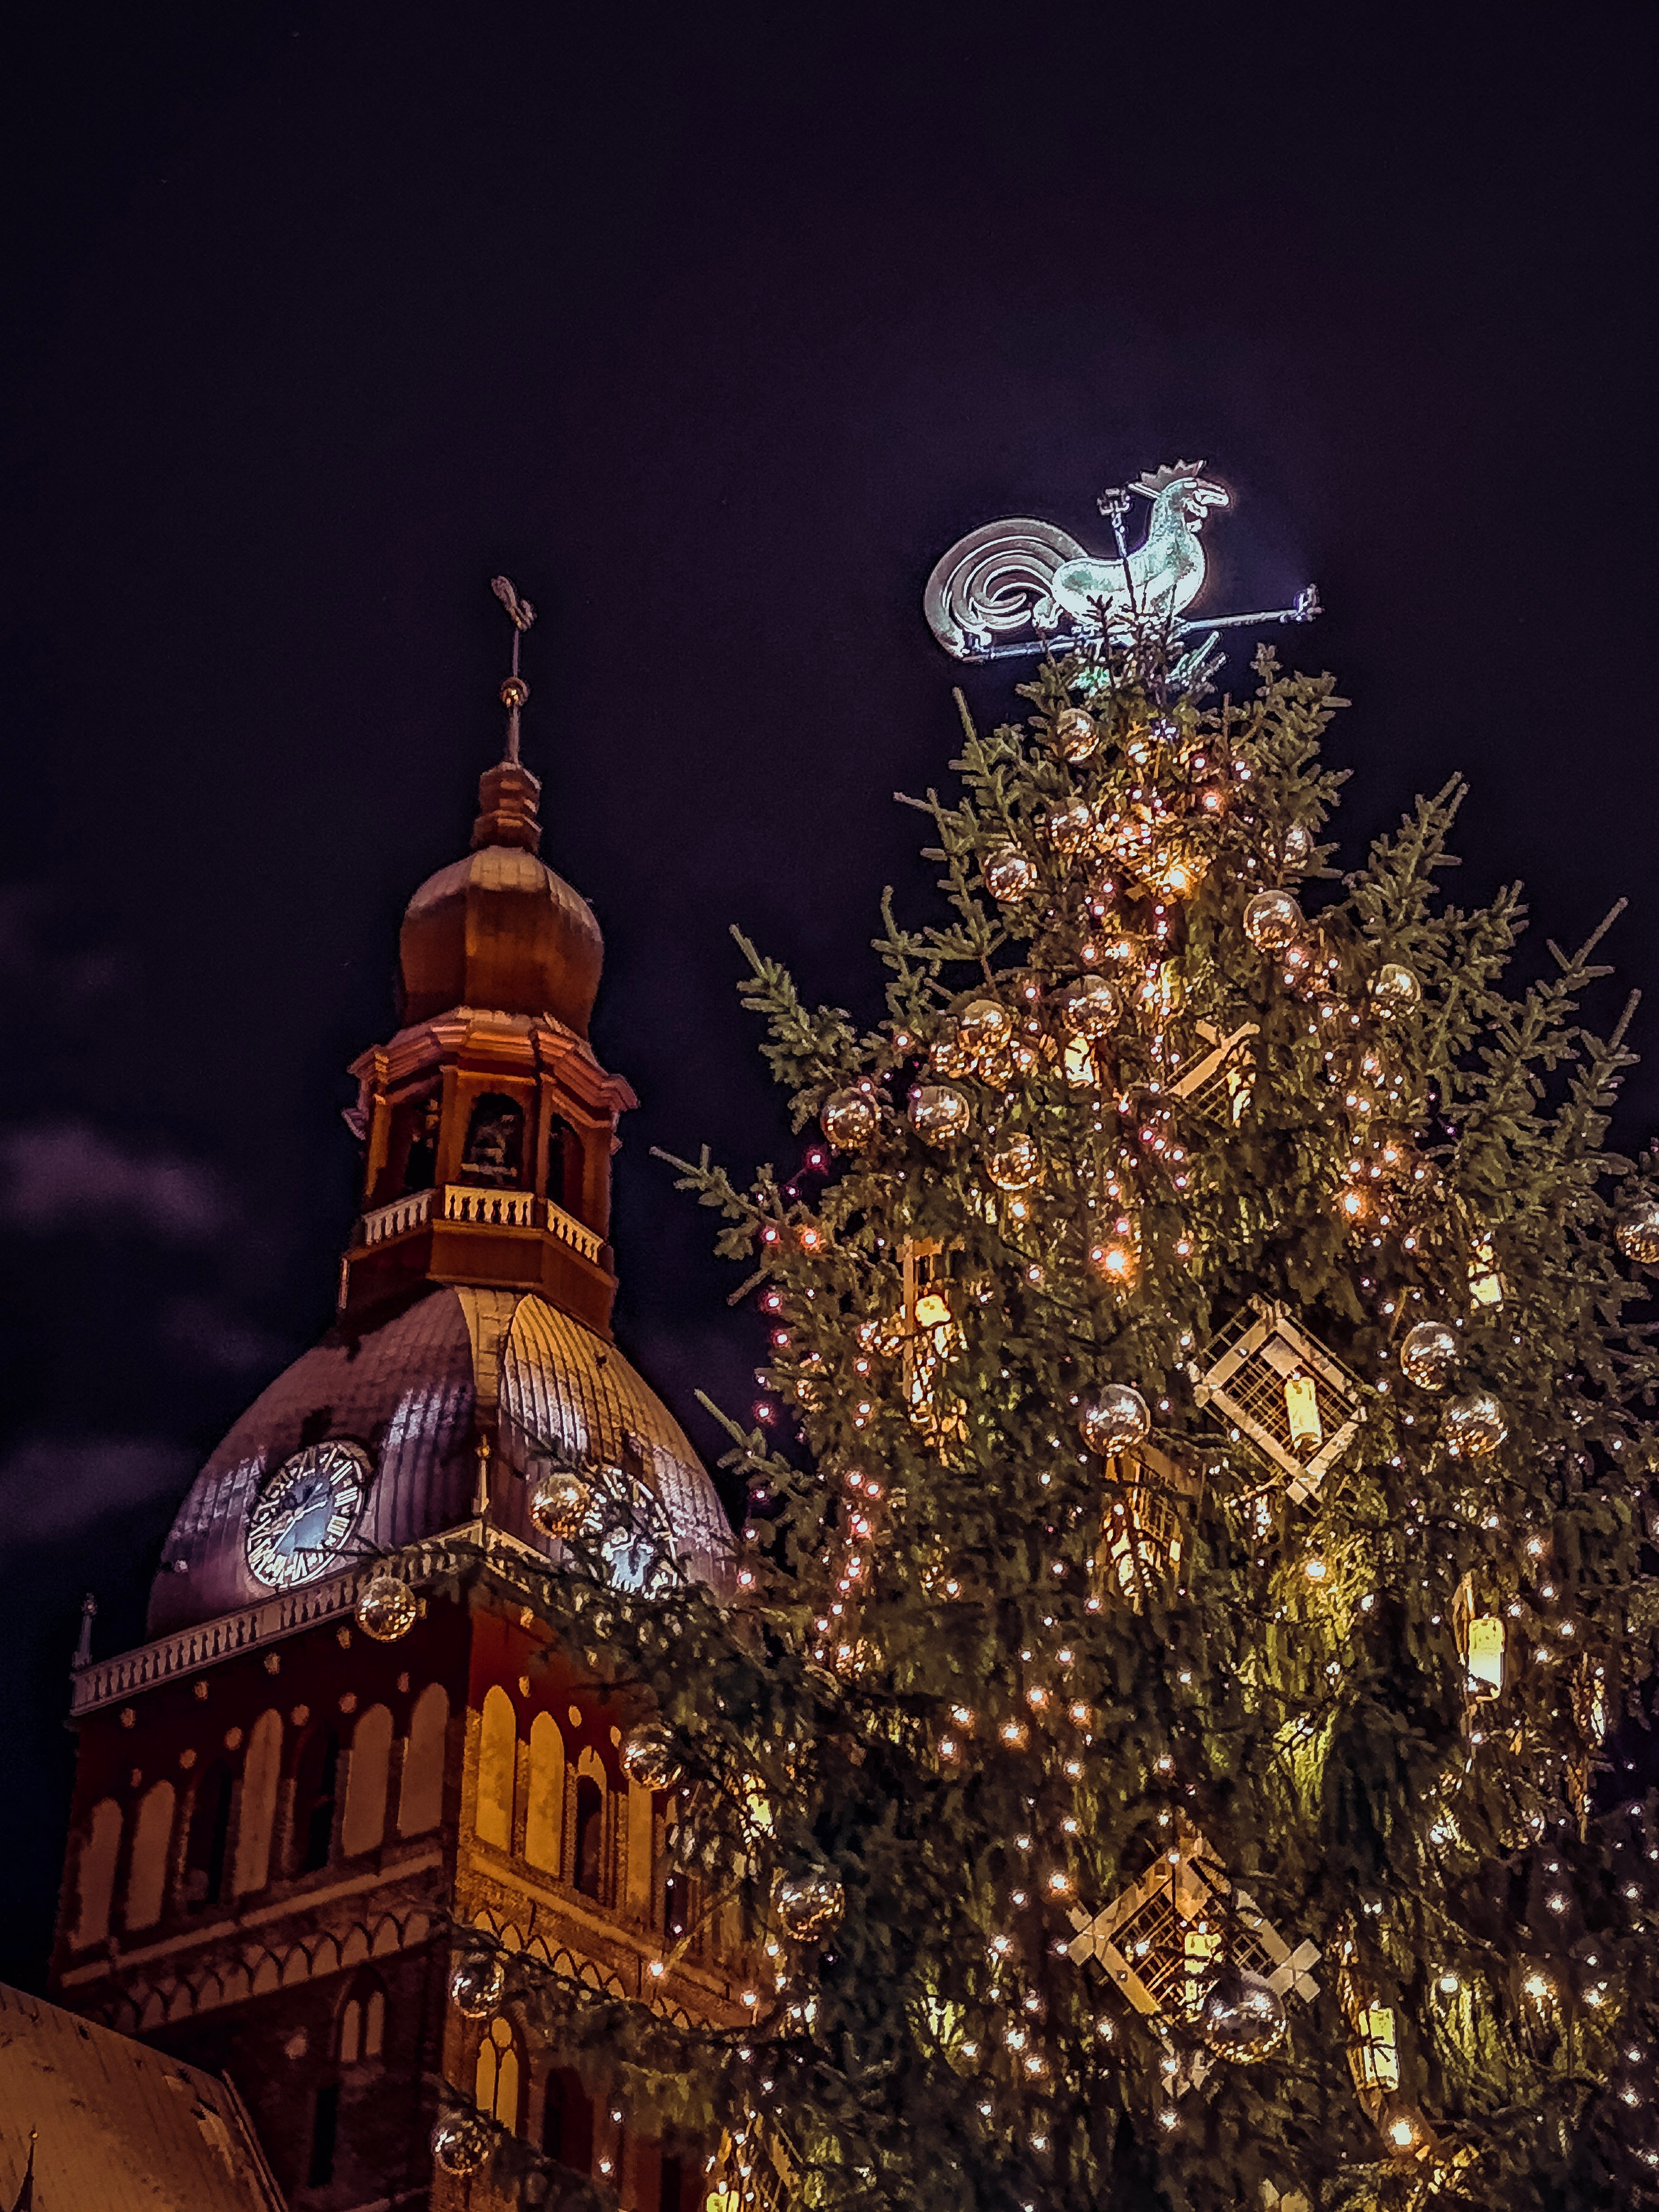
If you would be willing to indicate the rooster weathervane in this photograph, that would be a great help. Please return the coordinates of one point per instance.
(1026, 575)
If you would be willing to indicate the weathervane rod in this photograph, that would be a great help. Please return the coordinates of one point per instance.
(514, 692)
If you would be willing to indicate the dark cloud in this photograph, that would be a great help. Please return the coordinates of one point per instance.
(53, 1485)
(207, 1336)
(69, 1175)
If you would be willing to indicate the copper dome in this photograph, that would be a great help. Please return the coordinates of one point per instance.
(413, 1395)
(500, 930)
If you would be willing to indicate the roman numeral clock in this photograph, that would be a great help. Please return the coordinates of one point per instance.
(304, 1513)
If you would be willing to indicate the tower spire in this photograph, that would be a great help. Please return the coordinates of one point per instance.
(508, 794)
(514, 692)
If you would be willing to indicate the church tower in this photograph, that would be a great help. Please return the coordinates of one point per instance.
(291, 1801)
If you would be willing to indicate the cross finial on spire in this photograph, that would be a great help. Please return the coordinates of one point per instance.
(514, 690)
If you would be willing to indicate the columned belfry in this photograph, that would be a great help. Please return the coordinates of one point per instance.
(488, 1122)
(292, 1803)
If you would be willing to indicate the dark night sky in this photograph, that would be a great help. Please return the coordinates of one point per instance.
(713, 328)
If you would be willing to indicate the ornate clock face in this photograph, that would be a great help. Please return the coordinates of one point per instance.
(304, 1513)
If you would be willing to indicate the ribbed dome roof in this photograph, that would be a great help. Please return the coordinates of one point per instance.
(413, 1395)
(500, 930)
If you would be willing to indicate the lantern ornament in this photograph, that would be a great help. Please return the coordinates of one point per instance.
(1158, 1944)
(1244, 1378)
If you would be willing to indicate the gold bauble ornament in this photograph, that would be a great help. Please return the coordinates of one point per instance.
(1015, 1164)
(651, 1755)
(1072, 828)
(560, 1503)
(849, 1118)
(809, 1904)
(984, 1026)
(1637, 1231)
(1475, 1425)
(1088, 1008)
(939, 1112)
(1270, 920)
(1117, 1417)
(461, 2144)
(1075, 735)
(949, 1053)
(1242, 2016)
(1009, 874)
(385, 1607)
(1429, 1354)
(1297, 846)
(1395, 989)
(477, 1985)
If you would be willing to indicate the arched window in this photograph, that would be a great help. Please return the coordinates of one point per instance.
(361, 2033)
(498, 1752)
(568, 2120)
(495, 1142)
(325, 2132)
(421, 1803)
(590, 1836)
(564, 1163)
(497, 2090)
(147, 1875)
(363, 1823)
(421, 1160)
(94, 1874)
(316, 1783)
(543, 1827)
(209, 1840)
(262, 1766)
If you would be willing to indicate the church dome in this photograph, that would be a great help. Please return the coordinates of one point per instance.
(407, 1400)
(499, 929)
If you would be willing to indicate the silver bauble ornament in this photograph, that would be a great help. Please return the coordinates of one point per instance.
(939, 1112)
(809, 1904)
(651, 1755)
(1088, 1008)
(1072, 828)
(477, 1985)
(1474, 1424)
(1637, 1229)
(1242, 2016)
(561, 1502)
(1395, 989)
(1015, 1164)
(1009, 874)
(1429, 1354)
(386, 1608)
(985, 1026)
(1075, 735)
(1271, 920)
(1297, 845)
(849, 1119)
(1117, 1417)
(461, 2144)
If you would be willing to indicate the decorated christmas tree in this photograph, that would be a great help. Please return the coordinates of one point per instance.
(1157, 1748)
